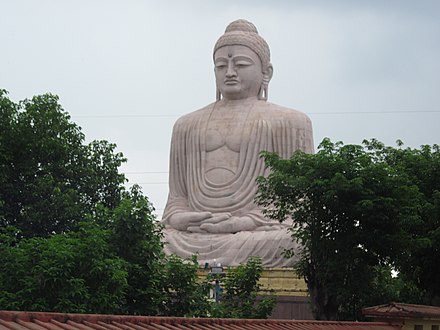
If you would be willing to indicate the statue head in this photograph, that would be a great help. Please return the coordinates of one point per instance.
(241, 37)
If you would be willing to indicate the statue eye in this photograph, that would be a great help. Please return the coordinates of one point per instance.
(242, 63)
(220, 65)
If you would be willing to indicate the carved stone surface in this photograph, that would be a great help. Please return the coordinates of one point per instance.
(214, 160)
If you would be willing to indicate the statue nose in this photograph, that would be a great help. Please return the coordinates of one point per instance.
(231, 71)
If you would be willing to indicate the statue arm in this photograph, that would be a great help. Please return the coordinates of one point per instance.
(178, 195)
(178, 214)
(291, 133)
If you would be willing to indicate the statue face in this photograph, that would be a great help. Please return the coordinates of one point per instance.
(238, 72)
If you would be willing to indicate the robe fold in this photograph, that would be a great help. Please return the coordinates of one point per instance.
(268, 127)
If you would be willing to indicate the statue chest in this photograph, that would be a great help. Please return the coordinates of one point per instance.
(226, 130)
(224, 136)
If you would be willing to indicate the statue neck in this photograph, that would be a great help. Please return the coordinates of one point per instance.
(242, 102)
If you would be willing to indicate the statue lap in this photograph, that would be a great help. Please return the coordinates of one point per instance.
(264, 127)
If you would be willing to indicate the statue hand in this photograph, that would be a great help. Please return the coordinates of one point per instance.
(231, 225)
(215, 218)
(181, 221)
(272, 227)
(236, 224)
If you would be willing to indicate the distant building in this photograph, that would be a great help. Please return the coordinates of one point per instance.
(393, 316)
(408, 316)
(58, 321)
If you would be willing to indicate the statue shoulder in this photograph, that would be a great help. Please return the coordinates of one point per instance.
(191, 118)
(275, 112)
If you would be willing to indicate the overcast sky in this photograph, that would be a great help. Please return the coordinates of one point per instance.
(125, 70)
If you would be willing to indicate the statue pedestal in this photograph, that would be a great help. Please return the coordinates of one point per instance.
(277, 281)
(282, 282)
(293, 300)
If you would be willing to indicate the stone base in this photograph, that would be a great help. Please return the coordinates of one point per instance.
(293, 301)
(277, 281)
(292, 308)
(282, 282)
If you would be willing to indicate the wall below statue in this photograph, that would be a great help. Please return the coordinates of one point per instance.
(292, 308)
(293, 301)
(282, 282)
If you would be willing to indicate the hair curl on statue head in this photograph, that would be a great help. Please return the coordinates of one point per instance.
(243, 32)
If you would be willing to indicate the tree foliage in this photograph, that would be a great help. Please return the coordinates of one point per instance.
(421, 263)
(355, 211)
(49, 178)
(240, 289)
(136, 238)
(73, 239)
(74, 272)
(184, 294)
(110, 264)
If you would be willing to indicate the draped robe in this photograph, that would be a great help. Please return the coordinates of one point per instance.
(268, 127)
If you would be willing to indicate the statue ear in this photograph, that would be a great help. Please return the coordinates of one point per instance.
(264, 89)
(268, 73)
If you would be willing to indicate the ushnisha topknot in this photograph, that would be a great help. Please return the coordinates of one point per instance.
(243, 32)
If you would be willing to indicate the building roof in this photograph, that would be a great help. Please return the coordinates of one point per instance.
(57, 321)
(404, 311)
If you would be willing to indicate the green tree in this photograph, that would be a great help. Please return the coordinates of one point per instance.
(421, 263)
(112, 263)
(240, 289)
(74, 272)
(72, 239)
(49, 178)
(349, 207)
(136, 238)
(184, 294)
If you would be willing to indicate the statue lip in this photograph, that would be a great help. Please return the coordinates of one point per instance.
(231, 81)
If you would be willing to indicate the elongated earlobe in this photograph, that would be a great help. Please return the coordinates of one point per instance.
(218, 95)
(264, 89)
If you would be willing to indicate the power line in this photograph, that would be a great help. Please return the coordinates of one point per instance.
(147, 183)
(311, 113)
(126, 116)
(371, 112)
(148, 172)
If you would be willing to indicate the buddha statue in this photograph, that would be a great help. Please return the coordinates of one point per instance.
(214, 160)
